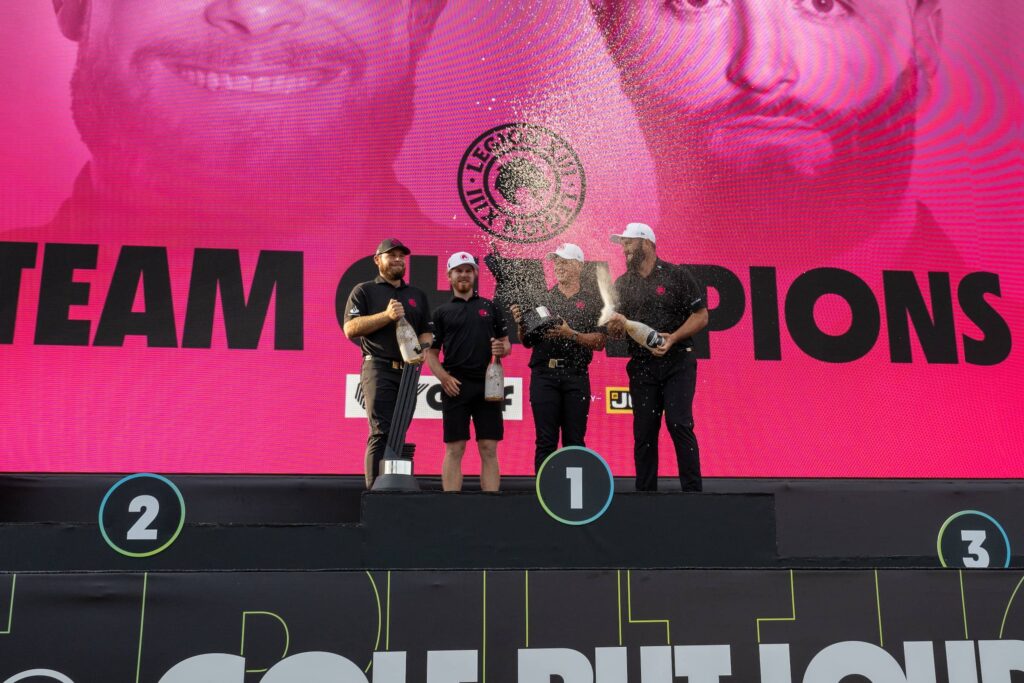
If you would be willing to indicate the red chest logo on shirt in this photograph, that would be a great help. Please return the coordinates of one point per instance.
(412, 302)
(660, 290)
(482, 312)
(581, 305)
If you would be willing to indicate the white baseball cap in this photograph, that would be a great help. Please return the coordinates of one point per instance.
(636, 230)
(461, 258)
(567, 251)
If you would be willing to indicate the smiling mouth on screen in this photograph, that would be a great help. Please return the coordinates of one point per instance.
(279, 81)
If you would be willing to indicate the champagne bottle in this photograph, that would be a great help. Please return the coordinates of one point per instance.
(494, 381)
(644, 335)
(408, 342)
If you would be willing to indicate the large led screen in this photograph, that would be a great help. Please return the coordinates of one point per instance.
(190, 189)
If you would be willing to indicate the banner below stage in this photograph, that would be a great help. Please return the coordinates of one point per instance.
(608, 626)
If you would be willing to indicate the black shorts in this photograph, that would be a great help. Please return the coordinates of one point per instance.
(456, 412)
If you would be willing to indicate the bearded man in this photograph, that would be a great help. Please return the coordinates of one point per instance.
(779, 128)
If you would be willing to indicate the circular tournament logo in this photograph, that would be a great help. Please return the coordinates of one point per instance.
(522, 183)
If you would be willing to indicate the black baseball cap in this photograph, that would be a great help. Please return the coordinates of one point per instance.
(391, 244)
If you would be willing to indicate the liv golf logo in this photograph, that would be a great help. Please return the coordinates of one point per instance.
(522, 183)
(428, 398)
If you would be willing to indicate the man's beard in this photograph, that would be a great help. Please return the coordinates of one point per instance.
(463, 286)
(394, 271)
(737, 200)
(246, 162)
(634, 259)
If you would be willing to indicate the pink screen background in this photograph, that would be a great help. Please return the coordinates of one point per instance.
(134, 408)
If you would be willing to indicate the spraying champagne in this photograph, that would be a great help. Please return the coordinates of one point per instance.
(642, 334)
(607, 292)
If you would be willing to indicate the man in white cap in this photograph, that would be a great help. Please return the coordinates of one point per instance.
(468, 330)
(661, 380)
(559, 376)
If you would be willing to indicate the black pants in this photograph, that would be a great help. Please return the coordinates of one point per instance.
(656, 388)
(561, 402)
(380, 392)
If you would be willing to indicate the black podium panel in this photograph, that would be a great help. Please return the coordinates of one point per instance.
(512, 530)
(51, 523)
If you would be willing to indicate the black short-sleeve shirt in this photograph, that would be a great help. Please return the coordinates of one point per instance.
(581, 311)
(664, 300)
(463, 331)
(368, 298)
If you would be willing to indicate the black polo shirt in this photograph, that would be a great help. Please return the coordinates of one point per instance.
(463, 331)
(581, 311)
(368, 298)
(664, 300)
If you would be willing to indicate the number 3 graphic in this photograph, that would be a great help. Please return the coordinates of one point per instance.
(976, 556)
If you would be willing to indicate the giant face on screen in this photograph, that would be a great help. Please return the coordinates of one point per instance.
(809, 102)
(243, 107)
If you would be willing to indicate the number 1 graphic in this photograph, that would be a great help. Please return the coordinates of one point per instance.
(575, 477)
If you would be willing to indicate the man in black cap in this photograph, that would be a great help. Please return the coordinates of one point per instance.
(371, 312)
(559, 376)
(661, 379)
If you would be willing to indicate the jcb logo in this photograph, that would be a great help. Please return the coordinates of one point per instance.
(618, 400)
